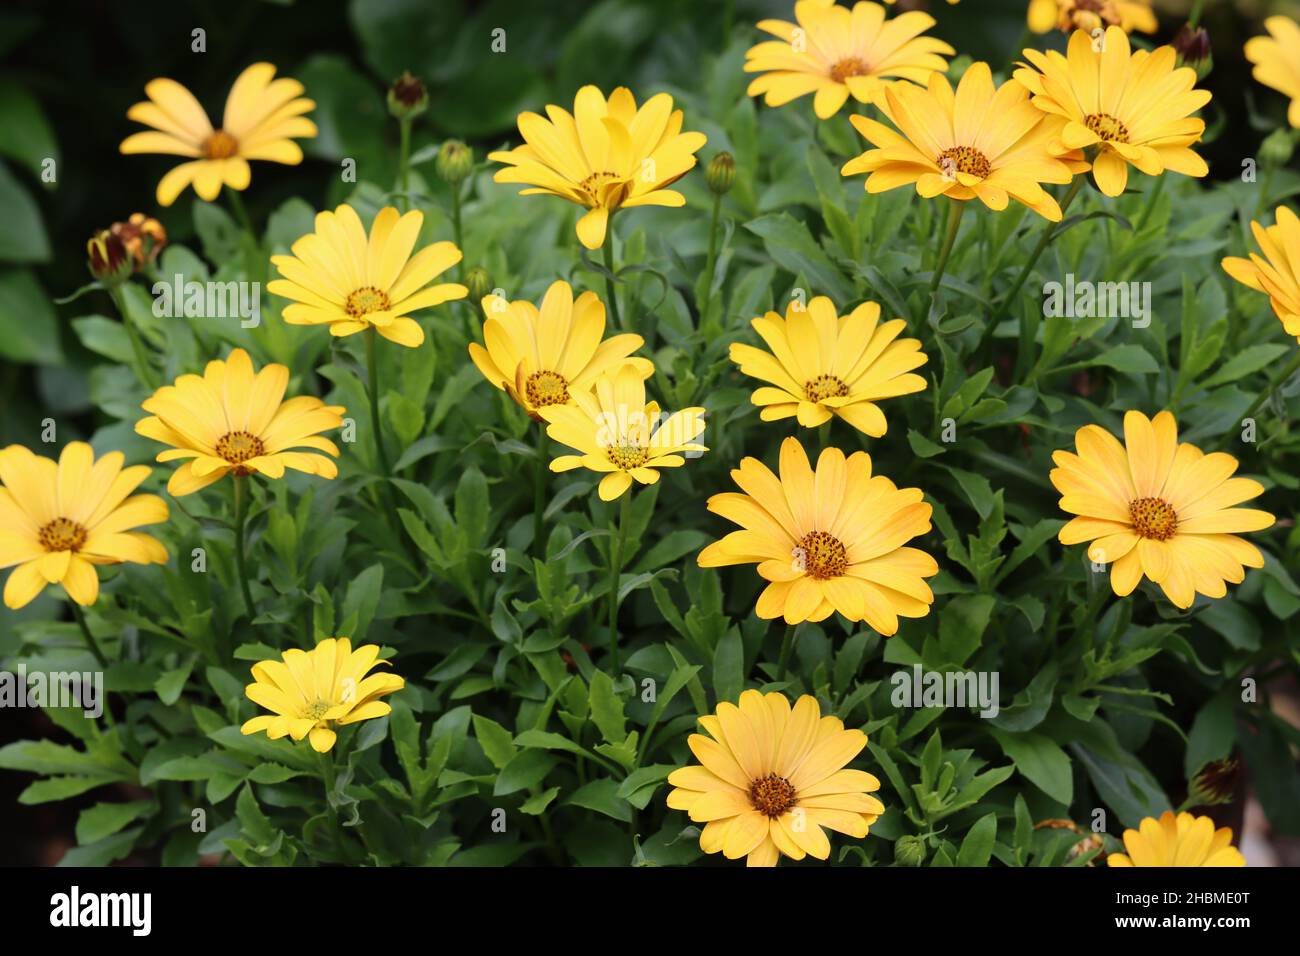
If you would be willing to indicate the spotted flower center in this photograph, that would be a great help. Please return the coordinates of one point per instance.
(964, 159)
(239, 447)
(365, 300)
(1107, 127)
(1153, 518)
(62, 534)
(316, 710)
(772, 795)
(220, 145)
(627, 457)
(825, 386)
(824, 555)
(849, 66)
(594, 184)
(546, 388)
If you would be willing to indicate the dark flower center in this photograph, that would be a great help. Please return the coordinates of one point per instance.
(239, 447)
(546, 388)
(1107, 127)
(772, 795)
(823, 387)
(62, 534)
(1153, 518)
(823, 555)
(964, 159)
(849, 66)
(220, 145)
(365, 300)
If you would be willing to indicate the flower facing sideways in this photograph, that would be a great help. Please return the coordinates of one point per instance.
(233, 421)
(1156, 507)
(827, 541)
(772, 779)
(1092, 15)
(312, 692)
(60, 519)
(822, 364)
(1177, 840)
(263, 116)
(340, 277)
(1277, 61)
(1275, 269)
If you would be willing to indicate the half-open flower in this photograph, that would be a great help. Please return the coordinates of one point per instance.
(1275, 269)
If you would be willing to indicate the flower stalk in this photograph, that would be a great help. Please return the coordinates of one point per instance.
(618, 529)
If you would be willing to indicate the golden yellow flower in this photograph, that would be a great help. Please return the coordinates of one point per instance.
(1091, 15)
(312, 692)
(822, 364)
(771, 780)
(1277, 61)
(1134, 107)
(836, 53)
(827, 541)
(981, 142)
(340, 277)
(263, 116)
(1158, 507)
(1275, 269)
(233, 420)
(619, 435)
(60, 519)
(606, 155)
(539, 356)
(1177, 840)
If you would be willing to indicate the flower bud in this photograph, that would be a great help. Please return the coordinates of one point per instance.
(107, 258)
(1277, 148)
(909, 851)
(478, 282)
(1192, 44)
(721, 173)
(407, 97)
(1215, 783)
(143, 236)
(455, 162)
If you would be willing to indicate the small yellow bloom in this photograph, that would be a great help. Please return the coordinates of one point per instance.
(1091, 15)
(1134, 107)
(312, 692)
(143, 236)
(827, 541)
(1275, 269)
(232, 420)
(836, 53)
(340, 277)
(606, 155)
(620, 435)
(822, 364)
(60, 519)
(771, 780)
(1277, 61)
(263, 117)
(1156, 507)
(1177, 840)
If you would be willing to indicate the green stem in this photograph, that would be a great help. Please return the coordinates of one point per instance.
(1194, 18)
(609, 273)
(787, 645)
(241, 538)
(328, 777)
(241, 212)
(145, 370)
(712, 261)
(404, 165)
(615, 572)
(372, 387)
(1152, 199)
(955, 214)
(456, 230)
(539, 493)
(91, 643)
(1273, 385)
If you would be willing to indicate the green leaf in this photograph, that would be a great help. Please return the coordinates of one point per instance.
(28, 325)
(497, 742)
(962, 626)
(729, 667)
(607, 708)
(525, 769)
(1040, 760)
(104, 819)
(977, 847)
(789, 243)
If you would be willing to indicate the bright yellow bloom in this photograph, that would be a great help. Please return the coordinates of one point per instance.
(771, 777)
(1134, 107)
(58, 520)
(1181, 840)
(539, 356)
(837, 53)
(619, 434)
(312, 692)
(829, 541)
(606, 155)
(340, 277)
(1156, 507)
(232, 420)
(1092, 15)
(981, 142)
(1277, 61)
(822, 364)
(1275, 270)
(263, 116)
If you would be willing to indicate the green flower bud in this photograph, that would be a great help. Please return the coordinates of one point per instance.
(909, 851)
(1277, 148)
(455, 161)
(721, 173)
(1192, 44)
(407, 97)
(479, 284)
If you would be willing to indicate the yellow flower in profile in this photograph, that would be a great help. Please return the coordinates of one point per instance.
(263, 117)
(312, 692)
(233, 421)
(827, 541)
(60, 519)
(340, 277)
(620, 435)
(836, 53)
(1092, 15)
(1133, 107)
(822, 364)
(539, 356)
(1275, 269)
(1156, 507)
(607, 155)
(1177, 840)
(1277, 61)
(771, 780)
(983, 142)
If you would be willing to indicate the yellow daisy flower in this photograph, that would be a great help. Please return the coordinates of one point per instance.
(1177, 840)
(312, 692)
(1158, 507)
(539, 356)
(836, 53)
(607, 155)
(620, 435)
(233, 420)
(827, 541)
(982, 142)
(263, 116)
(1091, 15)
(822, 364)
(1277, 61)
(1275, 270)
(1133, 107)
(340, 277)
(770, 778)
(60, 519)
